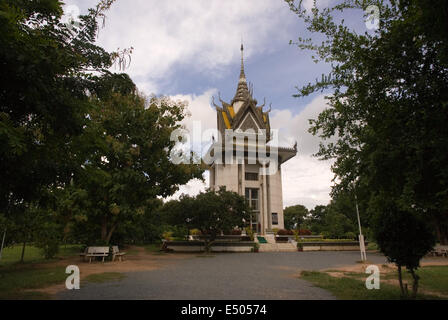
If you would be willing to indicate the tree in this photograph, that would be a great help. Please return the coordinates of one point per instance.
(387, 105)
(294, 216)
(45, 84)
(210, 212)
(125, 148)
(332, 222)
(395, 231)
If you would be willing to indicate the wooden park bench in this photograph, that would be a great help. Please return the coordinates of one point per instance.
(92, 252)
(117, 253)
(439, 252)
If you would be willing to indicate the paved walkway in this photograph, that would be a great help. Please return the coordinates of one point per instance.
(238, 276)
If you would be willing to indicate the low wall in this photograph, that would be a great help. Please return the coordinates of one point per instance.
(218, 246)
(331, 246)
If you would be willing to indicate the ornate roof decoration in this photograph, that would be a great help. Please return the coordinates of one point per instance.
(230, 117)
(242, 91)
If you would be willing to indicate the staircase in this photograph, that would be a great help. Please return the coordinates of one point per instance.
(268, 244)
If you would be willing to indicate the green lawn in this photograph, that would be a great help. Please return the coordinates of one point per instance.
(14, 281)
(432, 278)
(16, 278)
(11, 255)
(352, 287)
(154, 248)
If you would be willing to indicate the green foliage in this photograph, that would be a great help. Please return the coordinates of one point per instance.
(211, 212)
(44, 94)
(250, 233)
(332, 223)
(15, 281)
(404, 236)
(294, 216)
(167, 235)
(48, 239)
(385, 124)
(127, 145)
(388, 103)
(346, 288)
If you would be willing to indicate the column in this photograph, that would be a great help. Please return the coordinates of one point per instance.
(265, 202)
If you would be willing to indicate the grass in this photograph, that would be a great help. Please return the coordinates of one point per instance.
(11, 255)
(432, 278)
(154, 248)
(352, 285)
(105, 277)
(14, 281)
(17, 279)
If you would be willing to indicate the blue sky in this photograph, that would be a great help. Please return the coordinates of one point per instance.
(190, 50)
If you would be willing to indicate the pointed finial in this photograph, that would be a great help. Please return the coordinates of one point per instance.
(242, 75)
(242, 91)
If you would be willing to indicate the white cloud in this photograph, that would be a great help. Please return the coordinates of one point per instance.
(201, 34)
(309, 4)
(306, 180)
(192, 188)
(295, 127)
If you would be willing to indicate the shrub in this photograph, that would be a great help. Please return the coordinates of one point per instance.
(235, 232)
(350, 235)
(195, 232)
(49, 247)
(47, 239)
(167, 235)
(305, 232)
(284, 232)
(250, 233)
(403, 236)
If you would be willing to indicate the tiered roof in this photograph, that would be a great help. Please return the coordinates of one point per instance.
(242, 113)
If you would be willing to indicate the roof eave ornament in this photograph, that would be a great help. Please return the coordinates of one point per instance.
(219, 97)
(214, 104)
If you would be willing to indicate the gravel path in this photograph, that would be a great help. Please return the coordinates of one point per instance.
(235, 276)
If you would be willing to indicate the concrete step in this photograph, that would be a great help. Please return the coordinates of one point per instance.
(268, 247)
(270, 238)
(286, 247)
(277, 247)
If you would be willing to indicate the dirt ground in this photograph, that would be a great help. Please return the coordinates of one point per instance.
(138, 260)
(387, 269)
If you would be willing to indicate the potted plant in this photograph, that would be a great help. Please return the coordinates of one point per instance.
(256, 247)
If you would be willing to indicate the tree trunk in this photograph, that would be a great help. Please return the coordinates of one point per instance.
(23, 252)
(400, 280)
(441, 228)
(415, 277)
(104, 230)
(109, 234)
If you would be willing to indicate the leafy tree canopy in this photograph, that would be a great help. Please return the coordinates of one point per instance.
(294, 216)
(210, 212)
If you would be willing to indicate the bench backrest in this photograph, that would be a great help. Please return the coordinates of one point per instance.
(115, 249)
(98, 250)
